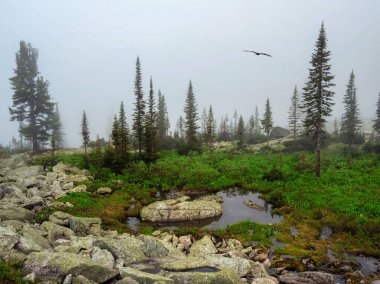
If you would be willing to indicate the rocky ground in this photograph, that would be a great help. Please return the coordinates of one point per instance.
(67, 249)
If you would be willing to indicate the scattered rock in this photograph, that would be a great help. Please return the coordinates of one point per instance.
(103, 256)
(8, 238)
(185, 241)
(252, 204)
(31, 277)
(312, 277)
(84, 226)
(180, 210)
(49, 264)
(104, 190)
(13, 212)
(239, 265)
(224, 276)
(32, 240)
(60, 218)
(144, 277)
(203, 247)
(79, 188)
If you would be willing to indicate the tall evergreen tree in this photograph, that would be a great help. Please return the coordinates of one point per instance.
(123, 134)
(116, 137)
(32, 106)
(139, 111)
(204, 125)
(251, 129)
(240, 132)
(56, 125)
(376, 122)
(336, 128)
(85, 137)
(151, 124)
(295, 114)
(210, 128)
(163, 124)
(267, 121)
(191, 118)
(351, 122)
(257, 121)
(317, 96)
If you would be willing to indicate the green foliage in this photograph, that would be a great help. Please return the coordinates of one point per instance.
(248, 231)
(11, 273)
(191, 117)
(42, 216)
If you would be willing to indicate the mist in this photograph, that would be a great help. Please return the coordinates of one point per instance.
(88, 49)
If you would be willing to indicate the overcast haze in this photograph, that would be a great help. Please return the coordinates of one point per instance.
(88, 49)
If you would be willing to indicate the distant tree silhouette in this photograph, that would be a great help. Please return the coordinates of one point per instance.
(294, 118)
(139, 111)
(151, 124)
(351, 122)
(240, 132)
(85, 137)
(163, 124)
(210, 128)
(267, 121)
(376, 122)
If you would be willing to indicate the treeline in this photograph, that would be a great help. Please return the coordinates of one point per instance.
(150, 132)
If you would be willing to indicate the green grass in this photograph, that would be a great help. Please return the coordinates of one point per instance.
(10, 273)
(346, 197)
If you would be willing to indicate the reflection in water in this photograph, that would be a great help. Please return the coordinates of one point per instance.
(233, 210)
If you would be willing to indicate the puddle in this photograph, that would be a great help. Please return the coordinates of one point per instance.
(233, 210)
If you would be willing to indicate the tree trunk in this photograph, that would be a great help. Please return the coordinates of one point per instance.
(318, 152)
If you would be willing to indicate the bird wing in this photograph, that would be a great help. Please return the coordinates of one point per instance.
(266, 54)
(249, 51)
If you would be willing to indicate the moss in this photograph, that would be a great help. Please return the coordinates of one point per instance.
(11, 273)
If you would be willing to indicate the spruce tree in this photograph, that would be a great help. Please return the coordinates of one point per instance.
(317, 96)
(139, 111)
(267, 121)
(56, 125)
(210, 128)
(151, 124)
(123, 134)
(85, 137)
(240, 132)
(191, 118)
(163, 124)
(376, 122)
(251, 129)
(336, 128)
(116, 139)
(351, 122)
(295, 114)
(204, 125)
(32, 106)
(257, 121)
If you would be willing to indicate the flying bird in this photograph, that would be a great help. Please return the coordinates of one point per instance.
(258, 53)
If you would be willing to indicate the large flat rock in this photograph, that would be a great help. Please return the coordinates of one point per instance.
(181, 209)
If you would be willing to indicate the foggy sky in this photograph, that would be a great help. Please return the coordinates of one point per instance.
(87, 51)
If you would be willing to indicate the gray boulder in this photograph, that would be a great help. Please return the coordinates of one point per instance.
(203, 247)
(56, 232)
(310, 277)
(8, 238)
(128, 249)
(60, 218)
(25, 172)
(32, 240)
(13, 212)
(181, 210)
(239, 265)
(84, 226)
(224, 276)
(55, 265)
(103, 256)
(144, 277)
(279, 132)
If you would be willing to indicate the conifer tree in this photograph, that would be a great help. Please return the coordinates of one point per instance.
(295, 114)
(56, 125)
(204, 125)
(267, 121)
(123, 134)
(251, 129)
(235, 125)
(32, 106)
(191, 118)
(317, 96)
(116, 139)
(181, 128)
(257, 121)
(210, 128)
(240, 132)
(351, 122)
(376, 122)
(98, 154)
(139, 111)
(163, 124)
(336, 128)
(85, 137)
(151, 124)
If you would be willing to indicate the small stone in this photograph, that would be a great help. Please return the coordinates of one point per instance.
(156, 233)
(79, 188)
(261, 257)
(175, 240)
(168, 238)
(68, 279)
(68, 186)
(185, 241)
(104, 190)
(31, 277)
